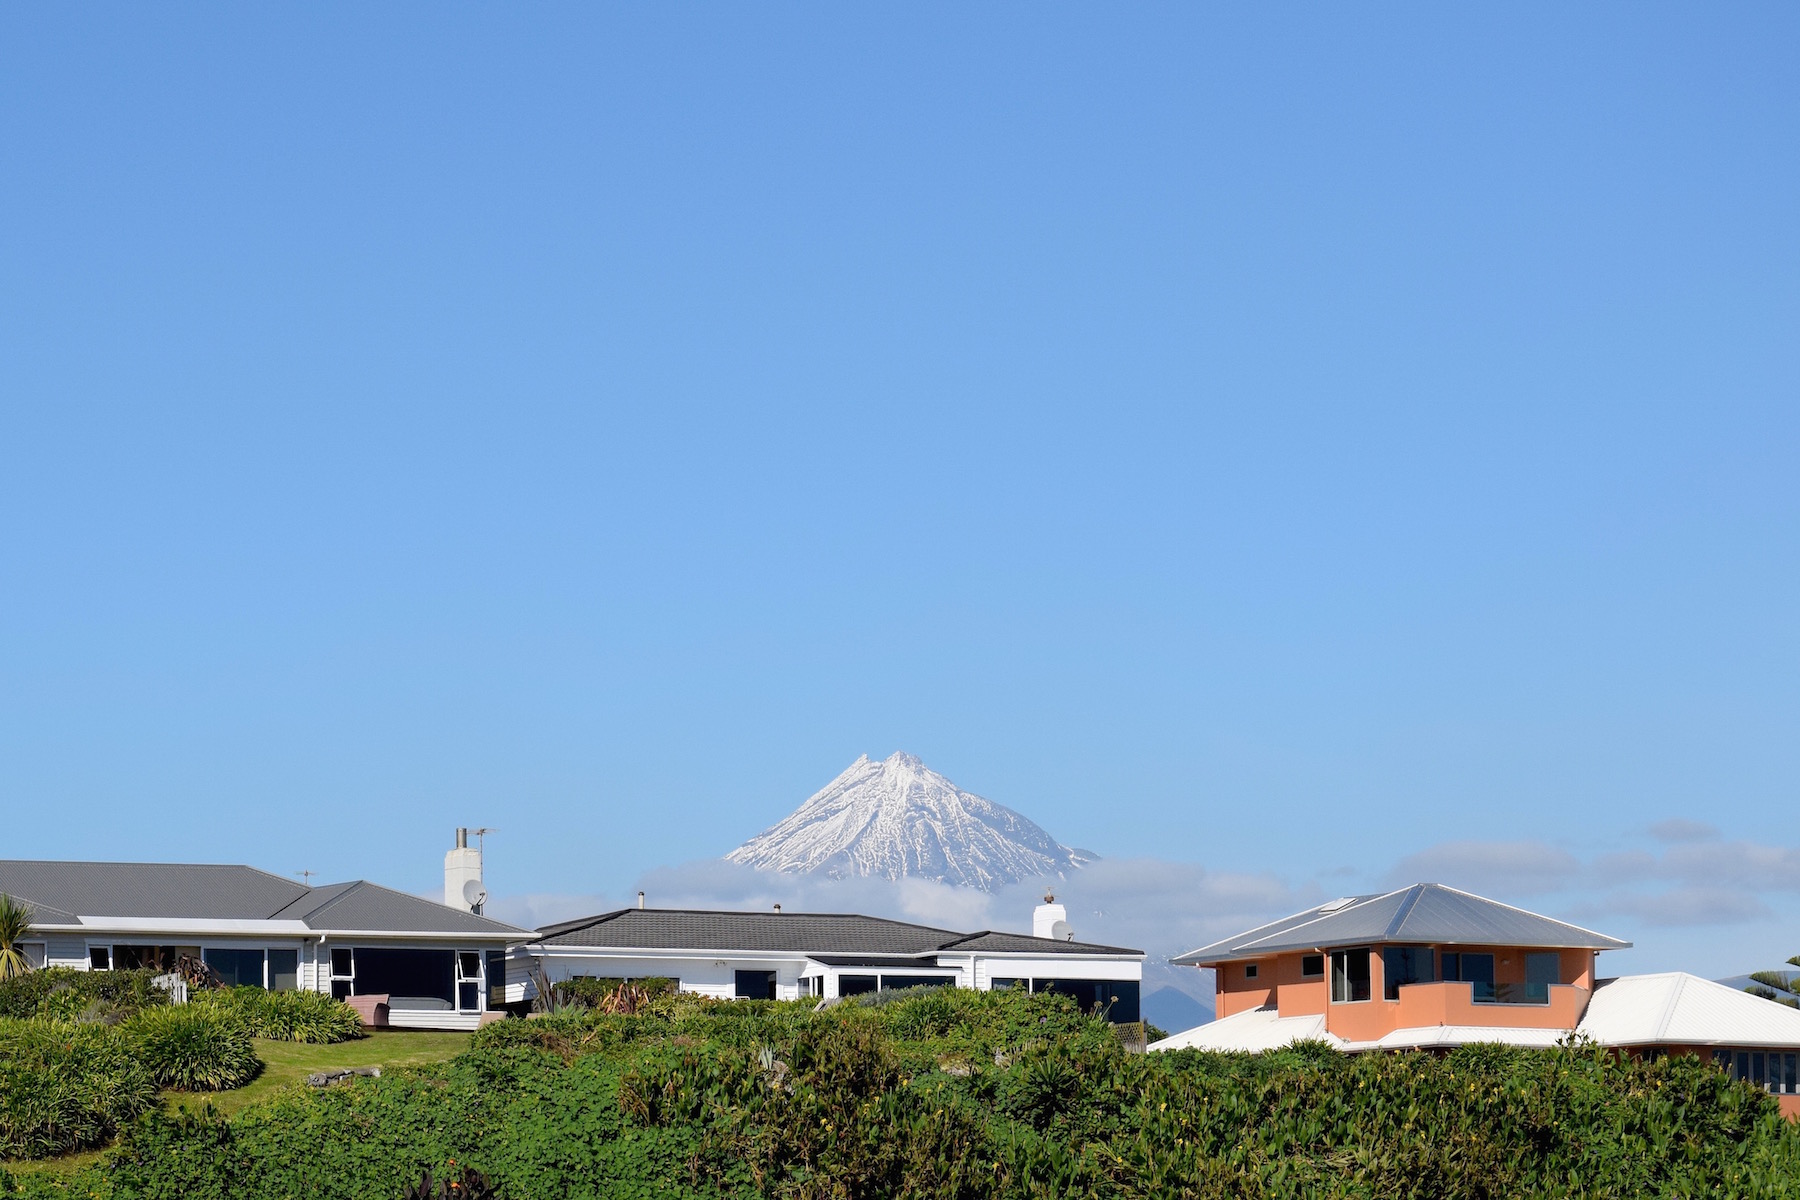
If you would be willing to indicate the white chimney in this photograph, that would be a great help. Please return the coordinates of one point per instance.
(1051, 920)
(462, 876)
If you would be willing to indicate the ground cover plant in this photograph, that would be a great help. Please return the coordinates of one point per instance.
(961, 1094)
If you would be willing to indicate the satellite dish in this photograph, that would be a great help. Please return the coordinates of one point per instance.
(1060, 931)
(474, 895)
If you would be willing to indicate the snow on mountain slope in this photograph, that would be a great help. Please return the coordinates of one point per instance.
(899, 818)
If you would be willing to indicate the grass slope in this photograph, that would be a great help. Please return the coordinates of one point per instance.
(285, 1067)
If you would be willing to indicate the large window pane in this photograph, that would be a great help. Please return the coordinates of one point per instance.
(755, 985)
(237, 968)
(1349, 975)
(1542, 969)
(1401, 965)
(407, 974)
(284, 970)
(856, 985)
(1476, 969)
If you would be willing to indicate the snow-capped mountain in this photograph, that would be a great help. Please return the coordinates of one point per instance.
(899, 818)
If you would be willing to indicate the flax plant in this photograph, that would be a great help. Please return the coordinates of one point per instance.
(15, 923)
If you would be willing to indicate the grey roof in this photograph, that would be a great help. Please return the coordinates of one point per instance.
(811, 934)
(1425, 912)
(58, 891)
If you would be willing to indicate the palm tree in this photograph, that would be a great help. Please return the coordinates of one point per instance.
(15, 923)
(1777, 985)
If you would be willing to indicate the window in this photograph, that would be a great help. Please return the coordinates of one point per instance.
(755, 985)
(1250, 971)
(236, 968)
(496, 978)
(1541, 970)
(160, 958)
(1401, 965)
(1349, 975)
(284, 970)
(1475, 969)
(468, 980)
(1312, 966)
(1118, 1000)
(857, 985)
(892, 982)
(1001, 985)
(424, 978)
(99, 958)
(343, 972)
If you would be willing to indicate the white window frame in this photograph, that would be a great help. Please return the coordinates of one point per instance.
(479, 980)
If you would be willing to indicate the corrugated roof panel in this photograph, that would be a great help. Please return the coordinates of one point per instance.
(1680, 1009)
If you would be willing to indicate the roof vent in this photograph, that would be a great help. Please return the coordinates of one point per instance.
(1340, 902)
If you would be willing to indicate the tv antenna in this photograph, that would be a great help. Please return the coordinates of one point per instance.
(306, 877)
(480, 834)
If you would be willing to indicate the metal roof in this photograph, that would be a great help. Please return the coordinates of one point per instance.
(1678, 1009)
(1253, 1031)
(61, 893)
(1425, 912)
(789, 933)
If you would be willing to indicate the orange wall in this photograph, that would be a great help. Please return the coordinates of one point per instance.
(1234, 993)
(1280, 983)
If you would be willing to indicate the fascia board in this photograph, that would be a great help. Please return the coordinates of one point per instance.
(194, 926)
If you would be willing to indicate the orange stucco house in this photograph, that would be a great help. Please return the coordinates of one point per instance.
(1429, 966)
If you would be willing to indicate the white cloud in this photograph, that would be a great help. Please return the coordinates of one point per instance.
(1680, 906)
(1521, 868)
(1679, 829)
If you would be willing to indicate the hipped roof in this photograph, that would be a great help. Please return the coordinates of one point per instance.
(1425, 912)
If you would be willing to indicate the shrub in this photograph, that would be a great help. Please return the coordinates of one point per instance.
(194, 1047)
(286, 1016)
(65, 994)
(65, 1086)
(603, 993)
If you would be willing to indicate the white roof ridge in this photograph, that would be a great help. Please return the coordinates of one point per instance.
(1667, 1016)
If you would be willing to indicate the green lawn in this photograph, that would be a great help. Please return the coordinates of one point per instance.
(286, 1065)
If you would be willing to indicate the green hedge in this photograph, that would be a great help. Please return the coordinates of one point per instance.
(65, 994)
(286, 1016)
(194, 1047)
(959, 1094)
(65, 1086)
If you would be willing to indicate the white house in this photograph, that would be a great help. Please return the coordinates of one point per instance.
(776, 955)
(433, 961)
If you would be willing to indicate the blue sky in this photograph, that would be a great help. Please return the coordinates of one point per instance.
(1294, 448)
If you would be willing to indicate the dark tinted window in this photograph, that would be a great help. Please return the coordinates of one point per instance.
(1476, 969)
(237, 968)
(1250, 971)
(1312, 966)
(406, 973)
(1349, 975)
(1401, 965)
(890, 982)
(343, 961)
(1118, 999)
(856, 985)
(284, 970)
(755, 985)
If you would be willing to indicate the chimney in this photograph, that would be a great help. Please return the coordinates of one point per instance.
(1051, 920)
(640, 899)
(462, 876)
